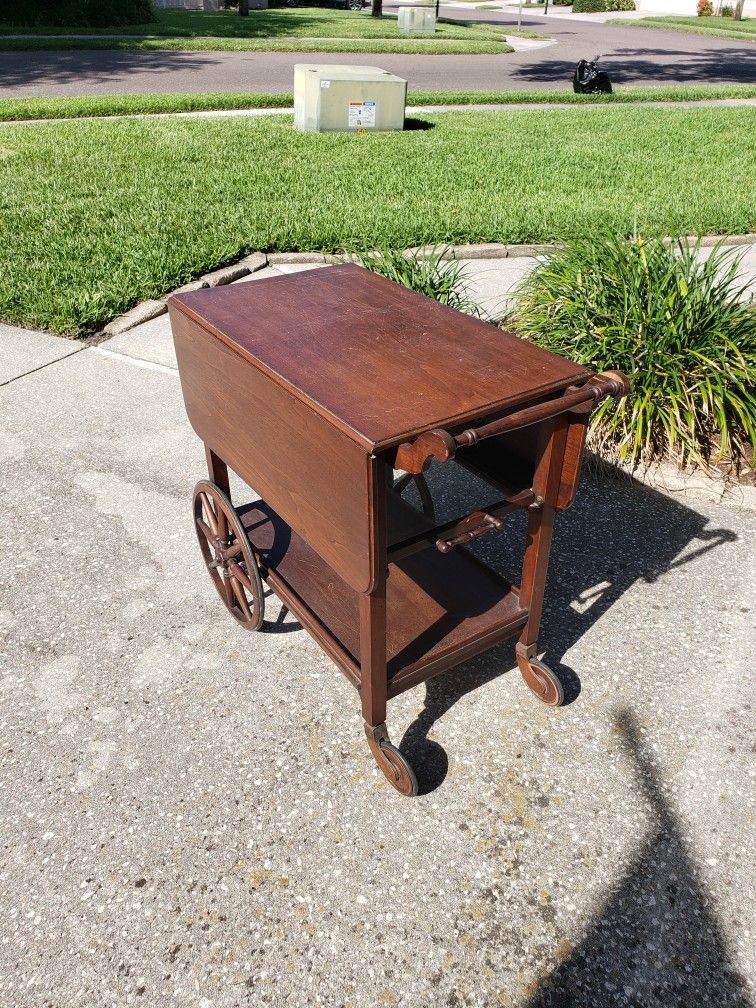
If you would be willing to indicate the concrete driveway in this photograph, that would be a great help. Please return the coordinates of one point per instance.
(633, 56)
(190, 815)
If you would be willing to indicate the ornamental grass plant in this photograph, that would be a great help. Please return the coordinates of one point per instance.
(679, 323)
(434, 276)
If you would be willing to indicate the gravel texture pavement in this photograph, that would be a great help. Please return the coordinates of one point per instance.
(190, 815)
(632, 56)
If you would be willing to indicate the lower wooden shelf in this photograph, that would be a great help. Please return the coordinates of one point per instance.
(441, 609)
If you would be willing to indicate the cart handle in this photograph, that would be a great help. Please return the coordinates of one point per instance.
(414, 457)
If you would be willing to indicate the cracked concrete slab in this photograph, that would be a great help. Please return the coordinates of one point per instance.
(25, 350)
(190, 814)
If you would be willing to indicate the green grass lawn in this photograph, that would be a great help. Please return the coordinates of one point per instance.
(96, 216)
(12, 109)
(744, 30)
(306, 29)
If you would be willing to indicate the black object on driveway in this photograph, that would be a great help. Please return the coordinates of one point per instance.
(588, 79)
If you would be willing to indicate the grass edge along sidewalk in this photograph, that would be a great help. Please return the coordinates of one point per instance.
(409, 46)
(275, 30)
(693, 26)
(100, 215)
(18, 109)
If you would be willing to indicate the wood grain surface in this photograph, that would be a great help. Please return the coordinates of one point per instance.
(380, 361)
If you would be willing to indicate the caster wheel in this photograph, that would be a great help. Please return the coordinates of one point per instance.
(541, 680)
(394, 766)
(228, 555)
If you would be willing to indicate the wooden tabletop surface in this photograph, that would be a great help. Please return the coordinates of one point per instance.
(381, 362)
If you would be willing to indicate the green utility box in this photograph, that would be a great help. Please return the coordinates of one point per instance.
(332, 98)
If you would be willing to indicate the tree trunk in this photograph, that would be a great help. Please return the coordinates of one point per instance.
(243, 8)
(377, 10)
(737, 13)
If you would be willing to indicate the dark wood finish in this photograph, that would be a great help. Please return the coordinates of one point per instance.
(311, 388)
(415, 456)
(217, 470)
(436, 606)
(314, 476)
(372, 610)
(574, 447)
(380, 362)
(473, 526)
(550, 455)
(430, 534)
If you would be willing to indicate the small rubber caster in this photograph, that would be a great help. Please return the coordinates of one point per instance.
(393, 765)
(541, 680)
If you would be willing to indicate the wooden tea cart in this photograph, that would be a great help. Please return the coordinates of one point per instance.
(314, 388)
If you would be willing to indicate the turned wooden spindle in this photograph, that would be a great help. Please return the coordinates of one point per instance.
(415, 456)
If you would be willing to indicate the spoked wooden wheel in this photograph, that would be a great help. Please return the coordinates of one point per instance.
(541, 680)
(227, 554)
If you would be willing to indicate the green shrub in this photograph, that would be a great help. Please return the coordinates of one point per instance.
(588, 6)
(561, 3)
(599, 6)
(725, 12)
(439, 279)
(78, 13)
(675, 323)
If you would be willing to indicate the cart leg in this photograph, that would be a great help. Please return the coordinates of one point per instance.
(217, 471)
(391, 762)
(538, 677)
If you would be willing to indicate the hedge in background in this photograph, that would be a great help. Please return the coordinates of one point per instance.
(78, 13)
(600, 6)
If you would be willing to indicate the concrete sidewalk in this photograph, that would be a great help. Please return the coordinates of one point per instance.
(190, 814)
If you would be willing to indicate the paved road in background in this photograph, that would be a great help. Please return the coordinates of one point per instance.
(633, 56)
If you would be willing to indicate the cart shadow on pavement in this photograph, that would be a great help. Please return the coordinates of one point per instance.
(279, 539)
(656, 939)
(618, 533)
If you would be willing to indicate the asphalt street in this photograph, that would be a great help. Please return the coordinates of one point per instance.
(632, 56)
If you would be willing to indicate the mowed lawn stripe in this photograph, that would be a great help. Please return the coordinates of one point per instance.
(111, 105)
(95, 216)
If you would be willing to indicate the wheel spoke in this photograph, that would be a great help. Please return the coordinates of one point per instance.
(206, 532)
(222, 524)
(233, 551)
(228, 594)
(240, 576)
(210, 515)
(241, 598)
